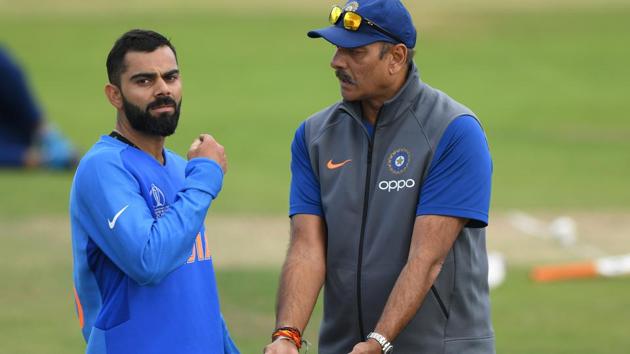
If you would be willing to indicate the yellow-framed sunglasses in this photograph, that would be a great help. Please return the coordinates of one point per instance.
(352, 21)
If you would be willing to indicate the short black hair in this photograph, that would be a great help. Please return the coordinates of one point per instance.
(135, 40)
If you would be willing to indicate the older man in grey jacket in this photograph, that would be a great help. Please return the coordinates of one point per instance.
(389, 202)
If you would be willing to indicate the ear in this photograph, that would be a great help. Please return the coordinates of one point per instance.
(114, 96)
(399, 55)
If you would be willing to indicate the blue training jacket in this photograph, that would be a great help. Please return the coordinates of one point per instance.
(143, 274)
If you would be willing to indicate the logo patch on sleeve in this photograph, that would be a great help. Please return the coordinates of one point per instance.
(159, 201)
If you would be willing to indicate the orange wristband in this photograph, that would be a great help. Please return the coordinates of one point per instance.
(293, 334)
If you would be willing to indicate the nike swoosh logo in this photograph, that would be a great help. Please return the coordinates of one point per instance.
(112, 223)
(333, 166)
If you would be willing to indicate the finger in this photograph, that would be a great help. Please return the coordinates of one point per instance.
(195, 144)
(204, 136)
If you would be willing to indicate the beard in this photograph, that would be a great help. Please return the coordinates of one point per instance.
(163, 124)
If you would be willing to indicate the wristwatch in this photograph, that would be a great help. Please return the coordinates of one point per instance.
(386, 346)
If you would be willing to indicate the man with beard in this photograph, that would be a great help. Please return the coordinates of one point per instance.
(389, 201)
(143, 274)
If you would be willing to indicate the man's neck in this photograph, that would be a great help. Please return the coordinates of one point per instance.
(370, 109)
(152, 145)
(372, 106)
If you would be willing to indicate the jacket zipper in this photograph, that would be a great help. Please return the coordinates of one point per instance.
(366, 197)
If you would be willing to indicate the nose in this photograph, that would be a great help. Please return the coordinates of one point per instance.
(162, 88)
(337, 61)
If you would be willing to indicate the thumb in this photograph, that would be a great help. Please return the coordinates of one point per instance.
(195, 144)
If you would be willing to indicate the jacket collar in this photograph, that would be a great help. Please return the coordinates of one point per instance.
(397, 105)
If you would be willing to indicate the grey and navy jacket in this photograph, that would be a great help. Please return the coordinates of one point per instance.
(370, 210)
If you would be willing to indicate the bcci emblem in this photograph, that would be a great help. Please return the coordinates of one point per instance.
(351, 6)
(398, 161)
(159, 201)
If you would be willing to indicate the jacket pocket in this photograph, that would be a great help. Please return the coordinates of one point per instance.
(437, 297)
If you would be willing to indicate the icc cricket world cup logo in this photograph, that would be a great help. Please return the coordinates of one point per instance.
(159, 201)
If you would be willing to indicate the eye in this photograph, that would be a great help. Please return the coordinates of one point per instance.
(143, 82)
(172, 77)
(355, 51)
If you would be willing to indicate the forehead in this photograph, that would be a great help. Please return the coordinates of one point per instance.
(160, 60)
(374, 46)
(368, 47)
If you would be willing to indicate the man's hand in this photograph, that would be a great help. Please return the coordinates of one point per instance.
(206, 146)
(281, 346)
(368, 347)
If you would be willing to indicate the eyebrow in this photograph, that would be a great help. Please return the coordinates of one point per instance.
(153, 75)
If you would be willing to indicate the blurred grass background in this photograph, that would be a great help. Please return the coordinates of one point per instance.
(549, 82)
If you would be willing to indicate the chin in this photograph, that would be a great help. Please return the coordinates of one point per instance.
(349, 96)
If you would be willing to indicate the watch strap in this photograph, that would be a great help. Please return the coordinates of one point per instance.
(386, 346)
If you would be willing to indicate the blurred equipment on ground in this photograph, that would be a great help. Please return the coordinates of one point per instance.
(496, 269)
(26, 139)
(601, 267)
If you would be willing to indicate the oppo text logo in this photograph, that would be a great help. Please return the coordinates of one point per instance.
(396, 185)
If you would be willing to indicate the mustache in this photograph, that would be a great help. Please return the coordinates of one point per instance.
(162, 101)
(343, 76)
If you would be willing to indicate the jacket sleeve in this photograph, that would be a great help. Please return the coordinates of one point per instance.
(119, 221)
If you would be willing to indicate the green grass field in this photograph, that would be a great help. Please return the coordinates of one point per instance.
(37, 313)
(548, 82)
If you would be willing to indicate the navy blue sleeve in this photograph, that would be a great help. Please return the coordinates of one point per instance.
(305, 196)
(17, 105)
(459, 179)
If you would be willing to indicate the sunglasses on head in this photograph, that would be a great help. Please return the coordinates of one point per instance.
(352, 21)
